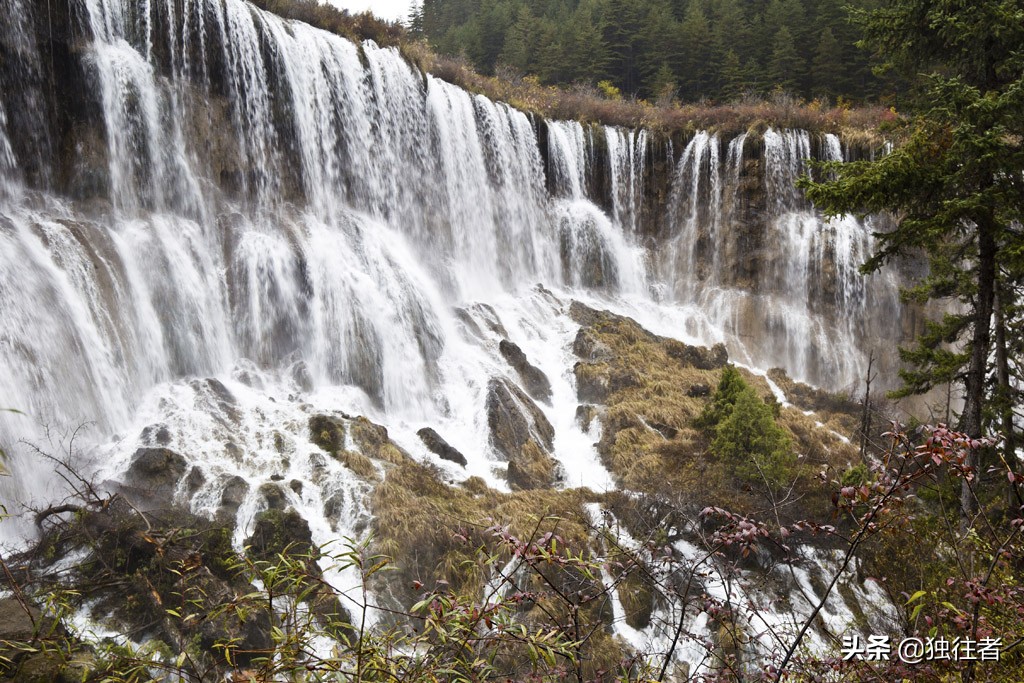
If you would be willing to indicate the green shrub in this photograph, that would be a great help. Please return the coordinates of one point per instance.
(753, 444)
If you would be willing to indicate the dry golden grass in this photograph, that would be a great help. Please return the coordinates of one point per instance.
(649, 441)
(859, 125)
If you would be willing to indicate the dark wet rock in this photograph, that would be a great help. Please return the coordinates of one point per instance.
(591, 349)
(489, 316)
(233, 451)
(278, 530)
(585, 416)
(335, 506)
(20, 622)
(195, 480)
(438, 446)
(157, 434)
(467, 320)
(514, 419)
(327, 432)
(153, 475)
(522, 435)
(302, 377)
(583, 314)
(221, 397)
(699, 357)
(534, 380)
(274, 496)
(698, 390)
(593, 382)
(235, 490)
(296, 486)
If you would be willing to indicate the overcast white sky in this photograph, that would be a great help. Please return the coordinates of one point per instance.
(385, 9)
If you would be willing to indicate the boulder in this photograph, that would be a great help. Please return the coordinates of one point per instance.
(522, 435)
(585, 415)
(157, 434)
(278, 530)
(698, 390)
(274, 496)
(514, 419)
(20, 622)
(439, 447)
(593, 382)
(590, 348)
(153, 475)
(699, 357)
(373, 441)
(235, 490)
(533, 378)
(327, 432)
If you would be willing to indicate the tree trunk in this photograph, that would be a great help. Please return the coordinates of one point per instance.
(974, 389)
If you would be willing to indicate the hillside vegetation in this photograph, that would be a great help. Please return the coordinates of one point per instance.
(690, 50)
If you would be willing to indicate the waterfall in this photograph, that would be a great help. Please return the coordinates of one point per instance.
(316, 225)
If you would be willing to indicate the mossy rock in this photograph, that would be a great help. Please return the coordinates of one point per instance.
(327, 432)
(279, 530)
(441, 448)
(514, 419)
(637, 597)
(373, 441)
(533, 468)
(359, 464)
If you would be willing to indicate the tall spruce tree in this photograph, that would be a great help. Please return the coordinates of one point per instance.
(786, 67)
(955, 186)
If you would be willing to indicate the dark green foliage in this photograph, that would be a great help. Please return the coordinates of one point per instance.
(745, 434)
(756, 448)
(827, 77)
(954, 186)
(785, 68)
(696, 49)
(730, 386)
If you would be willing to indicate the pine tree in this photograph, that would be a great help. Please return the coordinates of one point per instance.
(786, 67)
(520, 48)
(954, 185)
(623, 24)
(415, 19)
(756, 449)
(696, 48)
(827, 68)
(585, 53)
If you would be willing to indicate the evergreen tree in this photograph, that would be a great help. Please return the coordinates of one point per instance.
(730, 385)
(520, 47)
(786, 67)
(585, 53)
(748, 439)
(696, 44)
(954, 184)
(827, 68)
(788, 14)
(415, 19)
(624, 20)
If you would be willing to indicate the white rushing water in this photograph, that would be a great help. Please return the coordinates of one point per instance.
(287, 223)
(341, 205)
